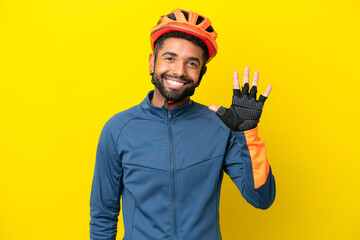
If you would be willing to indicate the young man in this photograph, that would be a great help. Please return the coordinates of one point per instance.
(166, 156)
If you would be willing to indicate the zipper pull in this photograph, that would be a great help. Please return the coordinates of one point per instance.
(169, 114)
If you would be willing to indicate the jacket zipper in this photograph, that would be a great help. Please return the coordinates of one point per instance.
(172, 172)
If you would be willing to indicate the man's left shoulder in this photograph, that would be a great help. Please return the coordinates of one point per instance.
(204, 111)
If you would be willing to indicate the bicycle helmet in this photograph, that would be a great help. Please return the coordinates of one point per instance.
(188, 22)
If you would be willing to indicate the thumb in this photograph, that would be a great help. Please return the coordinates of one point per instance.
(213, 108)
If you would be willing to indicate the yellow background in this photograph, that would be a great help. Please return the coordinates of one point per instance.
(67, 66)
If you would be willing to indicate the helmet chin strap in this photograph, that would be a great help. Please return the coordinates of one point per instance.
(167, 102)
(164, 105)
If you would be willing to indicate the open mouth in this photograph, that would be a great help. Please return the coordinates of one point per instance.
(175, 83)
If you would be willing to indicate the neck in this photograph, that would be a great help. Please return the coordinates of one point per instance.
(158, 101)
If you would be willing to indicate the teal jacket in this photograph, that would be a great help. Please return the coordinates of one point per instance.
(167, 165)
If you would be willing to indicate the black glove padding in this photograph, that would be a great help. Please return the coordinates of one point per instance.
(245, 111)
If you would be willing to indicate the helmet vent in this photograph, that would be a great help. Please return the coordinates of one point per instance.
(210, 29)
(171, 16)
(186, 14)
(199, 20)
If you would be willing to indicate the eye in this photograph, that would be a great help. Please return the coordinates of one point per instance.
(169, 58)
(193, 64)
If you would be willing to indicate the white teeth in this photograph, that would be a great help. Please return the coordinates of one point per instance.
(175, 83)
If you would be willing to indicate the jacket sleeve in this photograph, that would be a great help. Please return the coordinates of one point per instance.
(248, 167)
(106, 188)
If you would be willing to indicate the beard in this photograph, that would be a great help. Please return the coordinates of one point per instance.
(173, 95)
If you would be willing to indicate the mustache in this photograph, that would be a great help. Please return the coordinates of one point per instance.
(183, 78)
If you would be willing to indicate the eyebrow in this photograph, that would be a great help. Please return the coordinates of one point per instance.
(169, 53)
(194, 59)
(175, 55)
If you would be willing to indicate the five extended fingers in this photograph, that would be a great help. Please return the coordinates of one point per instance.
(246, 80)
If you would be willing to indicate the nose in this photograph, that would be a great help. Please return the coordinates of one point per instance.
(179, 69)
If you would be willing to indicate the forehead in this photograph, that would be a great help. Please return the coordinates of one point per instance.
(181, 47)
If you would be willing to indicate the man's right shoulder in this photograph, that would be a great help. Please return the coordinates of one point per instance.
(117, 122)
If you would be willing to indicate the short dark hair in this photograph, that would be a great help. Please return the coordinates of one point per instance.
(159, 42)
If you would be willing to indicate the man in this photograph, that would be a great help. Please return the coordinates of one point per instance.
(166, 156)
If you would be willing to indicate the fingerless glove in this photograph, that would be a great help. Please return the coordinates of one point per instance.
(245, 111)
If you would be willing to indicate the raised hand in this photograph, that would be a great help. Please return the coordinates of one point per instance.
(245, 111)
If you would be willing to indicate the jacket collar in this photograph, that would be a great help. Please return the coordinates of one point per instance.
(161, 114)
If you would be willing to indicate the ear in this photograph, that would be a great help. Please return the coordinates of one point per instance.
(204, 70)
(151, 63)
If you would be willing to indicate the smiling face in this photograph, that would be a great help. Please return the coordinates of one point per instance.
(176, 72)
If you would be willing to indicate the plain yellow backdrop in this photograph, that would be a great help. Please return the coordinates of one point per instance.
(67, 66)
